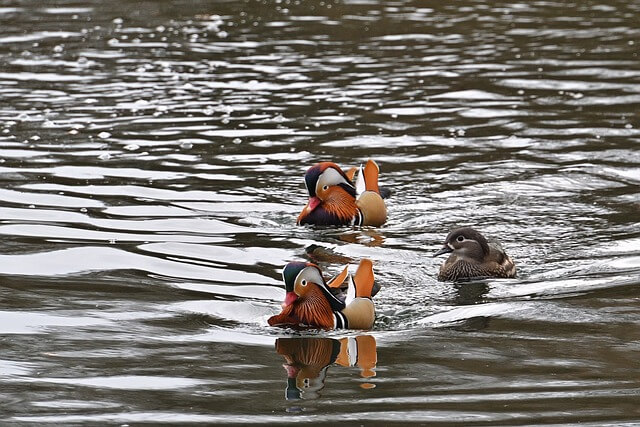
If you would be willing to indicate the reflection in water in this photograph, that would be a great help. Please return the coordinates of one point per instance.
(366, 236)
(361, 236)
(308, 359)
(320, 254)
(470, 292)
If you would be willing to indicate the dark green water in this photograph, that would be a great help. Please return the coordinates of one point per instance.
(151, 161)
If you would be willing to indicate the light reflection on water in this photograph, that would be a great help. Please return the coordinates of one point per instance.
(152, 163)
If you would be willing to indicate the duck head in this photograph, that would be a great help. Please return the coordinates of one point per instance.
(308, 300)
(465, 243)
(332, 196)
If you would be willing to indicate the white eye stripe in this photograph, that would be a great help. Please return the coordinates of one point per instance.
(328, 178)
(307, 275)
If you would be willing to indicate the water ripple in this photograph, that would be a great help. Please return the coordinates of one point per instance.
(153, 160)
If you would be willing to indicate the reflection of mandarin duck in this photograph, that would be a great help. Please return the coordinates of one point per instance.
(473, 256)
(361, 352)
(307, 361)
(335, 200)
(310, 301)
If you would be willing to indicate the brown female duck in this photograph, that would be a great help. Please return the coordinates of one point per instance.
(473, 256)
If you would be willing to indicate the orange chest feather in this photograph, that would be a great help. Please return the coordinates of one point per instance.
(340, 203)
(313, 309)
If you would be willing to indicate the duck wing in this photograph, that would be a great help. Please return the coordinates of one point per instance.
(504, 266)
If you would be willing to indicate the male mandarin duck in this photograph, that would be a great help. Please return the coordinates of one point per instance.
(335, 200)
(310, 300)
(473, 256)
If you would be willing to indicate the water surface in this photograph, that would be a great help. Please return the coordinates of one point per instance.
(151, 158)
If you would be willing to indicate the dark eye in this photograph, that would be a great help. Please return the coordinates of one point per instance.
(303, 283)
(460, 238)
(325, 188)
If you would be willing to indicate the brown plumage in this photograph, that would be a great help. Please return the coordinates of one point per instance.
(473, 256)
(340, 203)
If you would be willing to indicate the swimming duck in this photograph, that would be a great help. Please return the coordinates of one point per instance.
(473, 256)
(310, 301)
(334, 199)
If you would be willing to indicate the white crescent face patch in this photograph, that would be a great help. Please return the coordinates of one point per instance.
(310, 274)
(328, 178)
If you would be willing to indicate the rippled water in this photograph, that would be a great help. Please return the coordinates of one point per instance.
(152, 156)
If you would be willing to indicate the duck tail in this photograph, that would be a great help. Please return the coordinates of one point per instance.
(364, 279)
